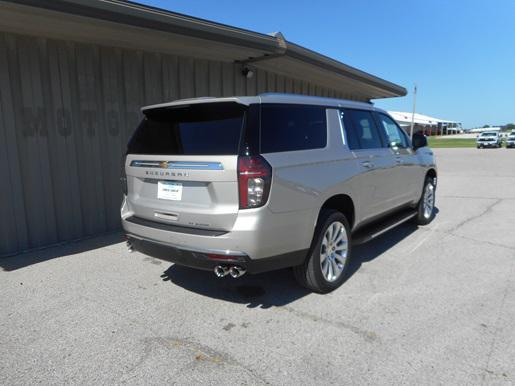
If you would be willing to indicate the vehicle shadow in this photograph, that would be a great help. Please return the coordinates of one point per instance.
(11, 263)
(264, 290)
(277, 288)
(364, 253)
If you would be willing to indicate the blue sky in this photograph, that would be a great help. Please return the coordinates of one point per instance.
(460, 53)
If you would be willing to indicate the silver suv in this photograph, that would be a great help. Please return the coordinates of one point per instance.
(253, 184)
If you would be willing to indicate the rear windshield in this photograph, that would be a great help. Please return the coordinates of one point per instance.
(488, 134)
(197, 129)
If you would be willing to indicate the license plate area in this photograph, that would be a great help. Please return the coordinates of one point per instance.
(169, 190)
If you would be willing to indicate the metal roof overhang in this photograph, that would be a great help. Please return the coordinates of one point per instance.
(130, 25)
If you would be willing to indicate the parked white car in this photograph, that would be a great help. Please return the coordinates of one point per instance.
(510, 141)
(488, 139)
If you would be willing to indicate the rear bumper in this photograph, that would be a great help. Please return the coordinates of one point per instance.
(201, 260)
(487, 144)
(256, 233)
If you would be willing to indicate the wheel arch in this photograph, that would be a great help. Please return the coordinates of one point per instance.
(342, 203)
(431, 173)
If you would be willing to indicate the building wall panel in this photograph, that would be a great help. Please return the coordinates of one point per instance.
(13, 223)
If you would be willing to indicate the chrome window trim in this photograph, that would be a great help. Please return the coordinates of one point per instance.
(191, 165)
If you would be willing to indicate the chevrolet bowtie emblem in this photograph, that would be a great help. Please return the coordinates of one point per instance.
(163, 164)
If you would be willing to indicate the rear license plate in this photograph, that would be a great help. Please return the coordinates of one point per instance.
(168, 190)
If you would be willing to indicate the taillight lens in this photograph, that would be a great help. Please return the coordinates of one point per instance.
(123, 177)
(254, 177)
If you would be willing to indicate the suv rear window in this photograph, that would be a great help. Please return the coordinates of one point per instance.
(292, 127)
(197, 129)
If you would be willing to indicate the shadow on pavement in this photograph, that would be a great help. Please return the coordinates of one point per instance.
(11, 263)
(367, 252)
(276, 288)
(264, 290)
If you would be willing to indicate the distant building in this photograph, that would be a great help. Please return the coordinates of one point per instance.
(426, 124)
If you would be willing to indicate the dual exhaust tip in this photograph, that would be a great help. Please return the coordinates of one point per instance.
(234, 271)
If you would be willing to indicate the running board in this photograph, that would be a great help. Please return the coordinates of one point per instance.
(374, 230)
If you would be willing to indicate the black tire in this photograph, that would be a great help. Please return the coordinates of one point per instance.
(310, 274)
(422, 218)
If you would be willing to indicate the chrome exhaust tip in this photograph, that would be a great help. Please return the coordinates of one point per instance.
(237, 272)
(129, 247)
(221, 271)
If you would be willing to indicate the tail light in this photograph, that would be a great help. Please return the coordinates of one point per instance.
(123, 178)
(254, 177)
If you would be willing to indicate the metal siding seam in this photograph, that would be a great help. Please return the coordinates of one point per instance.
(69, 132)
(201, 78)
(56, 149)
(227, 79)
(215, 78)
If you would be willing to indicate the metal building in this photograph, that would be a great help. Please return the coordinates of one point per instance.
(73, 76)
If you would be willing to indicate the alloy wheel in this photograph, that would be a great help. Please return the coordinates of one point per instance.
(333, 251)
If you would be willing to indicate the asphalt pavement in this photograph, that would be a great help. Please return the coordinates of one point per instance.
(427, 305)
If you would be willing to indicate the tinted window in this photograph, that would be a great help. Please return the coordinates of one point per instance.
(394, 134)
(350, 134)
(292, 127)
(199, 129)
(365, 129)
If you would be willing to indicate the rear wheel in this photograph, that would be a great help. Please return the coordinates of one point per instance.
(327, 263)
(426, 205)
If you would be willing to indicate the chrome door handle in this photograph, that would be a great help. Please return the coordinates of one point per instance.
(367, 164)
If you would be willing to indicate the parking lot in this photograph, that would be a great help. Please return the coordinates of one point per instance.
(428, 305)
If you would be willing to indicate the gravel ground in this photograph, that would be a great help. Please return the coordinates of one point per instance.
(433, 305)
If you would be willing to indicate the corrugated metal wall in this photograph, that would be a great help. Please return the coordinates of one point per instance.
(66, 112)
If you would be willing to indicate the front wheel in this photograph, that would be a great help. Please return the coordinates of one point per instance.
(426, 205)
(327, 263)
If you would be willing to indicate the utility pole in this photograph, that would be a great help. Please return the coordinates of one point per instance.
(413, 113)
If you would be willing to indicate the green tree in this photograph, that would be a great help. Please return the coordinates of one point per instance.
(486, 126)
(509, 127)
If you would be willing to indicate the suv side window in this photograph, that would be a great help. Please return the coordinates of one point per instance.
(394, 134)
(350, 135)
(365, 129)
(292, 127)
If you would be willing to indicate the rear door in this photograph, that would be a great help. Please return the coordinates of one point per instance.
(375, 163)
(181, 165)
(408, 175)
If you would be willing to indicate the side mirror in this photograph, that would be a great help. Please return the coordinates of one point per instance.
(419, 140)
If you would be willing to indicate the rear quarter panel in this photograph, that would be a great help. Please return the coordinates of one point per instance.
(303, 180)
(426, 161)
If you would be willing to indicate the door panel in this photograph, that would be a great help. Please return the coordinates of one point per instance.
(374, 181)
(375, 162)
(405, 175)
